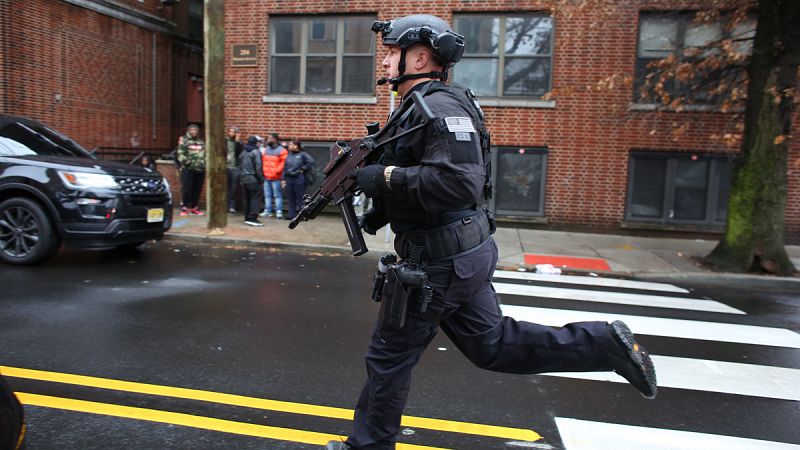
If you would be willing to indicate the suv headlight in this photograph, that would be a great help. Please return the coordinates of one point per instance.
(85, 180)
(168, 188)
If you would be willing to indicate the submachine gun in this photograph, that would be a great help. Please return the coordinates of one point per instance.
(339, 186)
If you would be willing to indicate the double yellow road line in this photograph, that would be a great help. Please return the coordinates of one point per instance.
(188, 420)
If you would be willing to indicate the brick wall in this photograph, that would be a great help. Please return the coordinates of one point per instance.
(91, 76)
(102, 81)
(3, 51)
(589, 134)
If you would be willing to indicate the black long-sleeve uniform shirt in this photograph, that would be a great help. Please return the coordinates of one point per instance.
(439, 174)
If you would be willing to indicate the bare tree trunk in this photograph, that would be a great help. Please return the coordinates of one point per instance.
(754, 233)
(214, 84)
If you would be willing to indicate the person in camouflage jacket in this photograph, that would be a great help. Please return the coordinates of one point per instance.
(192, 159)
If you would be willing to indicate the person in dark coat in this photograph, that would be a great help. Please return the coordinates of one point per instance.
(294, 181)
(252, 180)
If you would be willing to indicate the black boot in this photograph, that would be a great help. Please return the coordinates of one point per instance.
(633, 362)
(337, 445)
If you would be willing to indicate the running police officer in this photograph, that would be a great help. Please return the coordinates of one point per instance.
(429, 186)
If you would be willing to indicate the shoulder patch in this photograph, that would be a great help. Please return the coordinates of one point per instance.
(459, 124)
(464, 137)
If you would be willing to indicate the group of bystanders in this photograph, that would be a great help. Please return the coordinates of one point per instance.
(265, 169)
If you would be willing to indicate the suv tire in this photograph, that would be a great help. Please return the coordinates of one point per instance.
(27, 235)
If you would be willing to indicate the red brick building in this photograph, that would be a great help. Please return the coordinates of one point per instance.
(586, 157)
(127, 74)
(112, 74)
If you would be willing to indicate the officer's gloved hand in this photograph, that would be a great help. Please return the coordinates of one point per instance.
(371, 181)
(372, 221)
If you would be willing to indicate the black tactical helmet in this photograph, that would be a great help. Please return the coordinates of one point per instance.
(421, 29)
(426, 29)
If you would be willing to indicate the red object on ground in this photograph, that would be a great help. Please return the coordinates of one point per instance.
(569, 262)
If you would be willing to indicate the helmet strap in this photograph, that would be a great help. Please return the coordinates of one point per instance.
(401, 69)
(415, 76)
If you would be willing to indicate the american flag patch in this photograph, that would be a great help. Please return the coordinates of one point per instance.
(459, 124)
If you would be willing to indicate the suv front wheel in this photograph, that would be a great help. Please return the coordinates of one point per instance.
(26, 233)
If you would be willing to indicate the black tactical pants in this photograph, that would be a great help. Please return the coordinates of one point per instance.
(466, 308)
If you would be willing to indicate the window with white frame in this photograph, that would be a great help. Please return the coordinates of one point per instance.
(322, 55)
(506, 55)
(676, 33)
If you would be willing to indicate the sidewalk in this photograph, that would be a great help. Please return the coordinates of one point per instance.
(574, 252)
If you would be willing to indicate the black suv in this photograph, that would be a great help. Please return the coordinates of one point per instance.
(53, 191)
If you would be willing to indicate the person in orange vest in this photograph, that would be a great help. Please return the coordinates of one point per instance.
(273, 158)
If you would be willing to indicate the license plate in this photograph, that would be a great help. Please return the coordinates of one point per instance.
(155, 215)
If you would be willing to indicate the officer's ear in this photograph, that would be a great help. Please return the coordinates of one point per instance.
(421, 56)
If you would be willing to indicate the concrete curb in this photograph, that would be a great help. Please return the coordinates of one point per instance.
(255, 242)
(696, 275)
(716, 275)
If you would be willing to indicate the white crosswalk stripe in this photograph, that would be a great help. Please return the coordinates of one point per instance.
(713, 376)
(620, 298)
(589, 281)
(656, 326)
(587, 435)
(674, 372)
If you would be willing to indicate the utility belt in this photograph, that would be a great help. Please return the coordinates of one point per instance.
(448, 241)
(402, 287)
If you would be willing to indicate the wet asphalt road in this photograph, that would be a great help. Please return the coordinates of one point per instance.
(290, 325)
